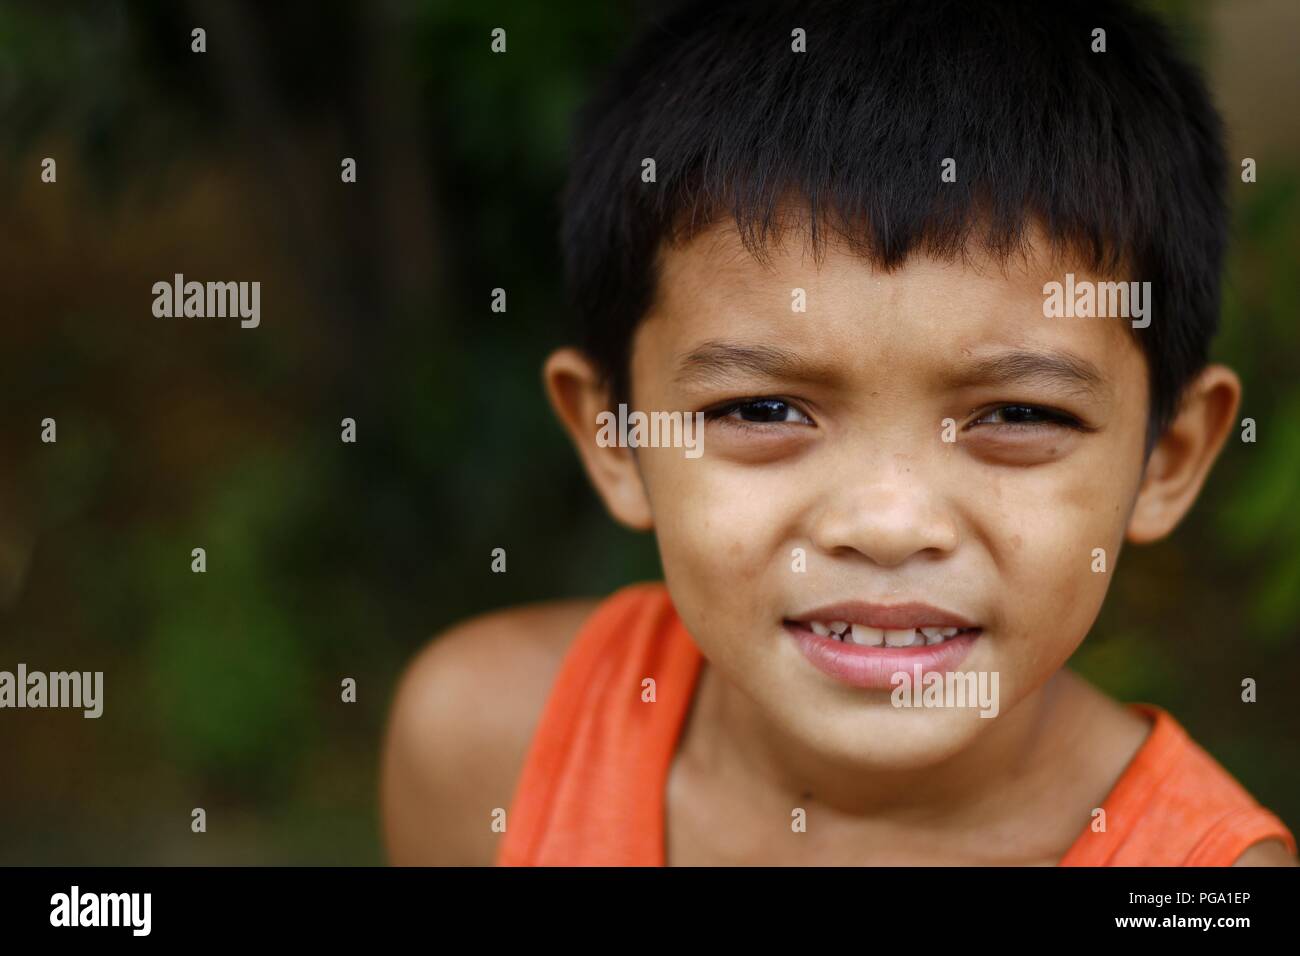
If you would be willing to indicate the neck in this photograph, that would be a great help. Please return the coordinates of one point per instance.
(737, 739)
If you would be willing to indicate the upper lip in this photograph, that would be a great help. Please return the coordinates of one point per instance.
(887, 617)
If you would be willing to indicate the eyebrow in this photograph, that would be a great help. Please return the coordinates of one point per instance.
(715, 362)
(1026, 366)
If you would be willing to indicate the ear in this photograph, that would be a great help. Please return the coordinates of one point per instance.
(1183, 455)
(573, 384)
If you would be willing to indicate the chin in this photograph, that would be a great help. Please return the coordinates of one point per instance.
(883, 737)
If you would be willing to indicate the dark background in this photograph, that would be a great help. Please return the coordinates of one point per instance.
(328, 560)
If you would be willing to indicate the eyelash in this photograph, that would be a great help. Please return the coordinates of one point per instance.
(722, 413)
(1049, 416)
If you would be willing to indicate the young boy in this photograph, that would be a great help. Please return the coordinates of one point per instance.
(940, 279)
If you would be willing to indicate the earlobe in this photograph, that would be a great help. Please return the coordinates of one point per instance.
(578, 396)
(1184, 454)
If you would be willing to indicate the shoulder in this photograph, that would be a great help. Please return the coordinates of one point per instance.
(1267, 853)
(459, 726)
(1194, 786)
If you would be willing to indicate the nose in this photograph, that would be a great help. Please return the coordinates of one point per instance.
(887, 515)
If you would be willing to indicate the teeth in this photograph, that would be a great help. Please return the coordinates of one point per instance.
(870, 636)
(937, 635)
(876, 637)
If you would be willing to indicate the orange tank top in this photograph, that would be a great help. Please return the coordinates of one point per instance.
(592, 788)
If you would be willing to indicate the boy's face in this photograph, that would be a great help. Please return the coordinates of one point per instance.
(844, 456)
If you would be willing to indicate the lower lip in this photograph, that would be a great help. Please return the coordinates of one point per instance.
(874, 667)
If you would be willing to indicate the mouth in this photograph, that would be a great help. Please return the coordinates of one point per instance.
(864, 645)
(878, 625)
(923, 635)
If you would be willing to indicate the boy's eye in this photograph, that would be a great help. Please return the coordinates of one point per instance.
(759, 411)
(1025, 416)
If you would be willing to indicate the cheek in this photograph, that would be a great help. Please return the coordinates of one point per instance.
(714, 515)
(1058, 537)
(721, 534)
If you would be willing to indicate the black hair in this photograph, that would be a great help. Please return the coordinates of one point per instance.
(1118, 155)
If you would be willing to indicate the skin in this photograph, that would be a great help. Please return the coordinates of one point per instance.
(846, 461)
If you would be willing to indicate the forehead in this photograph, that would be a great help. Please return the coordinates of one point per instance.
(927, 311)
